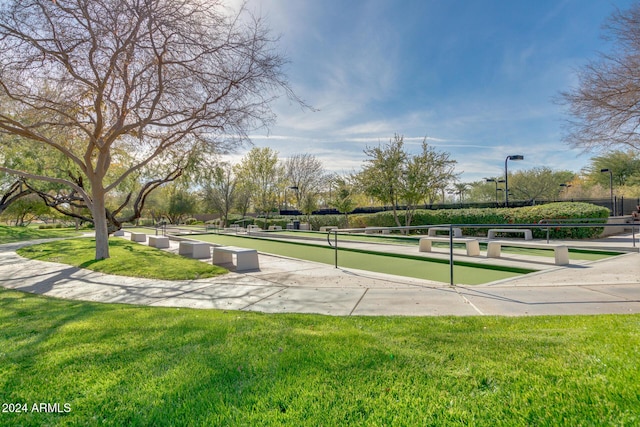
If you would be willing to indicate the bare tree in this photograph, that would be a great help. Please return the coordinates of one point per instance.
(138, 83)
(305, 173)
(220, 191)
(606, 103)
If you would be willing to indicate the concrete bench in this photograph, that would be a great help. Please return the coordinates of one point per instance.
(119, 233)
(457, 232)
(327, 227)
(275, 228)
(138, 237)
(234, 230)
(246, 259)
(375, 230)
(472, 245)
(160, 242)
(525, 231)
(197, 250)
(561, 252)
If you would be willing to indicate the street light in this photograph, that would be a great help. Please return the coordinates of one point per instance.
(506, 177)
(613, 206)
(497, 189)
(565, 186)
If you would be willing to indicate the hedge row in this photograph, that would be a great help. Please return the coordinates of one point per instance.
(316, 221)
(562, 211)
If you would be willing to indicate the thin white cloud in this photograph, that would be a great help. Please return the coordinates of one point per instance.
(350, 65)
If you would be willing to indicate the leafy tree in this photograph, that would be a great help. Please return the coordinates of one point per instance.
(261, 175)
(382, 175)
(343, 197)
(538, 183)
(173, 202)
(605, 105)
(180, 204)
(309, 204)
(460, 188)
(624, 166)
(486, 191)
(393, 176)
(26, 209)
(142, 84)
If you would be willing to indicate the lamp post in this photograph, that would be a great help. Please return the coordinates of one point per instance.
(496, 181)
(613, 206)
(565, 186)
(506, 177)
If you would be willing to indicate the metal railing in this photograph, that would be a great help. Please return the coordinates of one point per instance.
(547, 225)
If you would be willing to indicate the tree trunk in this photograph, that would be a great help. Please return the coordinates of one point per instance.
(394, 202)
(100, 223)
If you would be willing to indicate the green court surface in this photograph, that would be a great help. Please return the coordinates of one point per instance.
(465, 272)
(418, 267)
(575, 254)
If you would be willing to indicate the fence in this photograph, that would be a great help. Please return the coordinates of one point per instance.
(547, 226)
(619, 206)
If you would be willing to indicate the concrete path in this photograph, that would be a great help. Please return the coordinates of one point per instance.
(286, 285)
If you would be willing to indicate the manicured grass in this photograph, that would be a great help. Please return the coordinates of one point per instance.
(418, 267)
(121, 365)
(127, 259)
(18, 234)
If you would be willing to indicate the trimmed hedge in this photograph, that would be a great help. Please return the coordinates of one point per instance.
(49, 226)
(563, 211)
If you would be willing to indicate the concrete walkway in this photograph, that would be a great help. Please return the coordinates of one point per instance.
(285, 285)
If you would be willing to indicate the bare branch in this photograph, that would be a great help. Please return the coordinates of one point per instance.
(605, 105)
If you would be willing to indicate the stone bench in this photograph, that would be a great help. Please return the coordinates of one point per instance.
(197, 250)
(119, 233)
(527, 233)
(138, 237)
(160, 242)
(472, 245)
(275, 228)
(246, 259)
(234, 230)
(457, 232)
(561, 252)
(375, 230)
(327, 227)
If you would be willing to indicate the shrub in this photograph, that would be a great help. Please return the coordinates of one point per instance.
(562, 211)
(317, 221)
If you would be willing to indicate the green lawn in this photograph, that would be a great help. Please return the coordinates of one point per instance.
(18, 234)
(119, 365)
(126, 258)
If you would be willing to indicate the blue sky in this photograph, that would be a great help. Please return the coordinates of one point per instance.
(476, 77)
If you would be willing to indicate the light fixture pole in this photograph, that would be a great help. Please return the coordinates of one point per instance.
(496, 181)
(613, 206)
(565, 186)
(506, 177)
